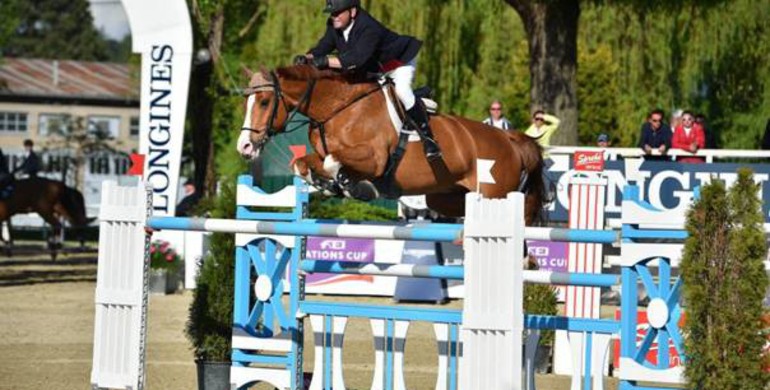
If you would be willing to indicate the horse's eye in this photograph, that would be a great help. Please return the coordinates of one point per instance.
(264, 102)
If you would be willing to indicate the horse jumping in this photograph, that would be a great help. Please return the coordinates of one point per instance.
(351, 129)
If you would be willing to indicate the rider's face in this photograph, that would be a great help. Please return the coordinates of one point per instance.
(341, 20)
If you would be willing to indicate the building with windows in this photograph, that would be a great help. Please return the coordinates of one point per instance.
(82, 116)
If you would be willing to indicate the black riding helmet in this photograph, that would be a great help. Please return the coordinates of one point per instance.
(333, 6)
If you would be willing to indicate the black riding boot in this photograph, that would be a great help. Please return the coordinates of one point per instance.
(420, 117)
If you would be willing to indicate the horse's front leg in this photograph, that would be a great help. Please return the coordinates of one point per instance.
(311, 169)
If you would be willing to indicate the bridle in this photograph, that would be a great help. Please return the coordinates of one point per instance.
(278, 98)
(302, 106)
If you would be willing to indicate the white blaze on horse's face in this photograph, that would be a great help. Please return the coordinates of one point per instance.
(245, 147)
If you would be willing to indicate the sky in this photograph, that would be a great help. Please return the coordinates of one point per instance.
(110, 18)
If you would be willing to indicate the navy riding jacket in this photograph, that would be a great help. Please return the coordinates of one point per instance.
(371, 47)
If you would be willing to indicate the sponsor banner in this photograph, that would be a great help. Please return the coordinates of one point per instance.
(641, 331)
(591, 161)
(666, 185)
(161, 32)
(339, 249)
(550, 256)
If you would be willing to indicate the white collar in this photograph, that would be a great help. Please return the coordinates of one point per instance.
(346, 32)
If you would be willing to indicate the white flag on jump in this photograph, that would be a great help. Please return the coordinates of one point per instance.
(484, 171)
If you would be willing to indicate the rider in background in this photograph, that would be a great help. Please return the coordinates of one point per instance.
(31, 164)
(363, 44)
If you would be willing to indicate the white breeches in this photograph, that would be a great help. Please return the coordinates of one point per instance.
(402, 78)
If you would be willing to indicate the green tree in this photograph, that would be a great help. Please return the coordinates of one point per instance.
(55, 29)
(724, 284)
(597, 91)
(9, 22)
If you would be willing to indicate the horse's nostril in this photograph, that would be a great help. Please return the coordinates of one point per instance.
(246, 148)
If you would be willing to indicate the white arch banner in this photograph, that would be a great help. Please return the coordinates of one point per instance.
(161, 32)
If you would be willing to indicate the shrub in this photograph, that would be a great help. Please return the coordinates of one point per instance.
(541, 299)
(209, 327)
(724, 284)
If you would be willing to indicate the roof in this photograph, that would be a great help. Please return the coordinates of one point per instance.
(24, 77)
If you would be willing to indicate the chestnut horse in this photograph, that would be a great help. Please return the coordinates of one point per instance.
(350, 128)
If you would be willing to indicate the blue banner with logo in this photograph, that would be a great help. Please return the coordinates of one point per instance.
(665, 185)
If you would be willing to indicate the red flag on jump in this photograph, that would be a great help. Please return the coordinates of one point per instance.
(297, 151)
(137, 165)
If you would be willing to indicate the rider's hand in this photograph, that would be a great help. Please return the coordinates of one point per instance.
(301, 60)
(321, 62)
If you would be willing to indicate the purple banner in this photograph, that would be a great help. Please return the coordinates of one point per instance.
(551, 256)
(337, 249)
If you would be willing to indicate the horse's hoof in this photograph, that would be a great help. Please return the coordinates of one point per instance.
(363, 190)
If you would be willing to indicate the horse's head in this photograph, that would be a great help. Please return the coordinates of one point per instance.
(266, 113)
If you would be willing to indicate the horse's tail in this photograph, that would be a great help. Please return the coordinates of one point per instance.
(535, 187)
(75, 204)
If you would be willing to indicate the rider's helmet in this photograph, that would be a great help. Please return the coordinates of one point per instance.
(334, 6)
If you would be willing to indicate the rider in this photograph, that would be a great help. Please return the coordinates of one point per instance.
(364, 44)
(31, 164)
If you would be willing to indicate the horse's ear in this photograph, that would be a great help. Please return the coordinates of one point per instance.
(247, 72)
(264, 72)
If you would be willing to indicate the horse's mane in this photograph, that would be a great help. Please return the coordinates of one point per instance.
(308, 72)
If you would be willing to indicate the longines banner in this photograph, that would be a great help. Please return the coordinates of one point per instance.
(665, 185)
(162, 34)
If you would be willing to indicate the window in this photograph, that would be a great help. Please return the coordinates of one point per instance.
(105, 126)
(49, 124)
(134, 128)
(100, 165)
(13, 122)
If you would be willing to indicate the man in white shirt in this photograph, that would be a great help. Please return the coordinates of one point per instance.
(496, 117)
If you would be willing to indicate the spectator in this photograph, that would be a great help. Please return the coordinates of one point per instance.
(496, 117)
(656, 135)
(543, 126)
(766, 138)
(603, 141)
(711, 137)
(689, 136)
(188, 203)
(31, 164)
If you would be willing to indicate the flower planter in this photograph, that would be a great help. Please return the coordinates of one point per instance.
(162, 282)
(213, 375)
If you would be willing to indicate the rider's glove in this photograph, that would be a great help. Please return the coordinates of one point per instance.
(321, 62)
(301, 60)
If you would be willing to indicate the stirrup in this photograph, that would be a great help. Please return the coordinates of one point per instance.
(432, 150)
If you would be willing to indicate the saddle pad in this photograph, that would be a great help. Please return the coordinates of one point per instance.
(398, 125)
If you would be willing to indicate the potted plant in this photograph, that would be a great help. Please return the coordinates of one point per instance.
(541, 299)
(164, 264)
(209, 326)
